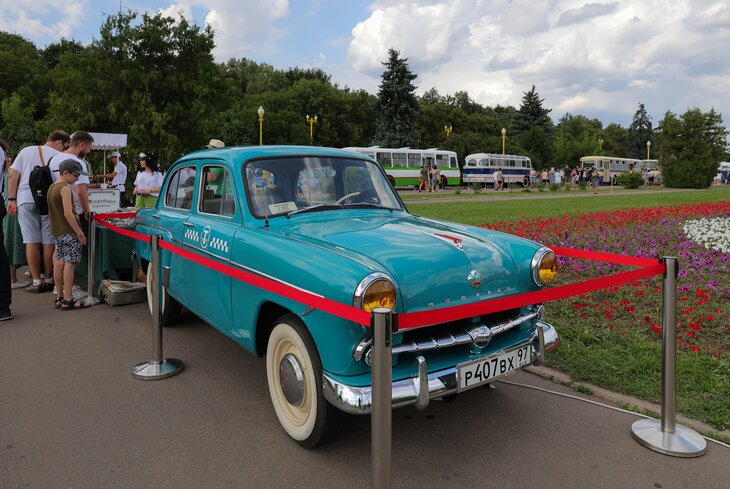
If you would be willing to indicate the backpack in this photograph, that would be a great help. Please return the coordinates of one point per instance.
(40, 180)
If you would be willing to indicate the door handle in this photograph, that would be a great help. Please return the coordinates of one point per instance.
(188, 224)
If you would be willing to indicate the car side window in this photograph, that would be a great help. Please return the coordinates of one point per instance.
(217, 197)
(179, 193)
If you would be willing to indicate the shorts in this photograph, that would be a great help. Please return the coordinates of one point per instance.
(68, 248)
(34, 227)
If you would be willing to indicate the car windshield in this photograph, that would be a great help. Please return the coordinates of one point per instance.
(314, 183)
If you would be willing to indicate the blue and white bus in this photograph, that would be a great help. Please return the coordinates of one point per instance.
(480, 168)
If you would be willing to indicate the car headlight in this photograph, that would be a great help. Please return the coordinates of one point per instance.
(375, 290)
(544, 266)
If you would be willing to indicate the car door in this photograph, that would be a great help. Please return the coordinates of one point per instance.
(173, 215)
(210, 231)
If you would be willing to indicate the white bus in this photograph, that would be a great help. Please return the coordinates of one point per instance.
(610, 167)
(403, 165)
(480, 168)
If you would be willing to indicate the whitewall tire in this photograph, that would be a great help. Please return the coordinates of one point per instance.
(294, 375)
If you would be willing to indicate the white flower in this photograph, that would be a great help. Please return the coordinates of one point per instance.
(711, 233)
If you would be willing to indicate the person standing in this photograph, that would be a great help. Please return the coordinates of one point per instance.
(148, 182)
(6, 294)
(66, 230)
(595, 180)
(36, 229)
(11, 229)
(81, 143)
(436, 178)
(118, 175)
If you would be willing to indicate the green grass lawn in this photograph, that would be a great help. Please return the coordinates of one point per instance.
(499, 208)
(629, 362)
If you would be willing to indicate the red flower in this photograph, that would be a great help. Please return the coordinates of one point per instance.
(608, 315)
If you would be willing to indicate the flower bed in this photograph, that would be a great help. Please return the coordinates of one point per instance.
(612, 337)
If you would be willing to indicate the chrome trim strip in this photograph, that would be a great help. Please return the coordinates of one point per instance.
(358, 400)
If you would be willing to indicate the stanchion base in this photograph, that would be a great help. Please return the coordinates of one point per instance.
(157, 371)
(91, 301)
(684, 442)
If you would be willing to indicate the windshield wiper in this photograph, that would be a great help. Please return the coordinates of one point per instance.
(367, 204)
(313, 208)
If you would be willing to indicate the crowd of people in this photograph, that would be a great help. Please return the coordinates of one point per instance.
(50, 241)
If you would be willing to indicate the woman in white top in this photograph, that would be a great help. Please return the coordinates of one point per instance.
(148, 182)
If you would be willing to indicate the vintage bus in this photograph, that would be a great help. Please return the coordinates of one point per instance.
(403, 165)
(610, 167)
(480, 168)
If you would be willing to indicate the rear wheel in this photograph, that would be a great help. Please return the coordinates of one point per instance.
(169, 307)
(294, 374)
(526, 182)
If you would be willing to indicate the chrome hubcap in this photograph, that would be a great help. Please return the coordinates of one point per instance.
(291, 380)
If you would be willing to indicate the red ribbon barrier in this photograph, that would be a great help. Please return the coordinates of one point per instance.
(648, 268)
(308, 298)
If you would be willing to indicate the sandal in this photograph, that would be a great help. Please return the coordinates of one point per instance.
(72, 305)
(57, 303)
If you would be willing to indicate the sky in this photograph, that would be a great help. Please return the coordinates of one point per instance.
(597, 59)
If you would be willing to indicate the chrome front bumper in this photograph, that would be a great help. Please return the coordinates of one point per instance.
(419, 390)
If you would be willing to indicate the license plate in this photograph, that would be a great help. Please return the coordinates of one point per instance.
(477, 372)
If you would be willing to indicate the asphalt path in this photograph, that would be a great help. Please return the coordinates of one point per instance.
(72, 416)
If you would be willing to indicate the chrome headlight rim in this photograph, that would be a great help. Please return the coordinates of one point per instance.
(536, 261)
(362, 287)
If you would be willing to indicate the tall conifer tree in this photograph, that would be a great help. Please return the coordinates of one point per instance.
(398, 105)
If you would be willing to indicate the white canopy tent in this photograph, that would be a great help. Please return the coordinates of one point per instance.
(108, 142)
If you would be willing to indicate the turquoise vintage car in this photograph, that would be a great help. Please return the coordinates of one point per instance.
(327, 221)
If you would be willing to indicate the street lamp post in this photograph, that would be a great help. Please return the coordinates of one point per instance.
(600, 144)
(504, 138)
(448, 130)
(261, 125)
(648, 148)
(311, 121)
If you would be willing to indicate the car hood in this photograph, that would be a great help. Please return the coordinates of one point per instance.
(430, 261)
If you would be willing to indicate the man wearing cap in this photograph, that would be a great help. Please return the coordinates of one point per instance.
(81, 143)
(35, 228)
(66, 230)
(118, 175)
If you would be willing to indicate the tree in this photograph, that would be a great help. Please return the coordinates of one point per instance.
(18, 131)
(640, 132)
(533, 129)
(532, 114)
(615, 140)
(398, 106)
(691, 147)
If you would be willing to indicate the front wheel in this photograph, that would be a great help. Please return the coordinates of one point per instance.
(294, 374)
(169, 307)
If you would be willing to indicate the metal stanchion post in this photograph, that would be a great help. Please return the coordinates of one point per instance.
(382, 409)
(665, 435)
(158, 368)
(90, 300)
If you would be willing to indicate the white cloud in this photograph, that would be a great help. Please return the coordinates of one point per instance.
(42, 21)
(243, 28)
(599, 58)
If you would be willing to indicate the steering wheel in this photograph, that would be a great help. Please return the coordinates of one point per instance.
(345, 197)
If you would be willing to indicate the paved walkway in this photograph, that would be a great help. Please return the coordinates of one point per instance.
(72, 416)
